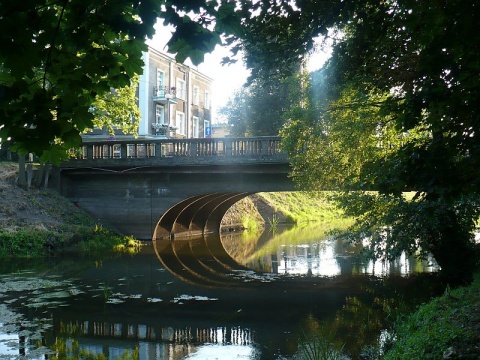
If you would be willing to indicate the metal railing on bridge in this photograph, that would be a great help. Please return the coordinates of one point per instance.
(265, 148)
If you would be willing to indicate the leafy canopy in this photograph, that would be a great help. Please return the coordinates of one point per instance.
(57, 57)
(118, 109)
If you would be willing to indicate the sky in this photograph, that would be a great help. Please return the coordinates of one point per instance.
(226, 78)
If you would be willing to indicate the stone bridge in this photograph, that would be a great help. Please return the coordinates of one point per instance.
(157, 188)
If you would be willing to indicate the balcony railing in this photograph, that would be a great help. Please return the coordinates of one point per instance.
(164, 94)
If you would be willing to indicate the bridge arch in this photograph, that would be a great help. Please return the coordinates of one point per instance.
(196, 216)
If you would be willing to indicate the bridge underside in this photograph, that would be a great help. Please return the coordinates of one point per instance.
(196, 216)
(154, 202)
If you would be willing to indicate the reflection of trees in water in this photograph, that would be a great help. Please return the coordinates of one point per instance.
(309, 250)
(373, 309)
(258, 249)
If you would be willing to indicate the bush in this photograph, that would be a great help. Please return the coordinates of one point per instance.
(28, 243)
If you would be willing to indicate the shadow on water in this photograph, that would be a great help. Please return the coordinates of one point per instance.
(234, 296)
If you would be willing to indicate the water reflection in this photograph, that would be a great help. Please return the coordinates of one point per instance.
(231, 297)
(309, 251)
(161, 342)
(233, 260)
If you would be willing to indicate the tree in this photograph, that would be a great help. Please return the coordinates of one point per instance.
(118, 109)
(235, 112)
(57, 57)
(399, 113)
(258, 109)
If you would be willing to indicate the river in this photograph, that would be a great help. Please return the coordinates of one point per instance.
(239, 296)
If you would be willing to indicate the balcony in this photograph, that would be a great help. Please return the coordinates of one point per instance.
(163, 129)
(165, 95)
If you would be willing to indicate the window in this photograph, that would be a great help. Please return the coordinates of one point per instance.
(181, 89)
(160, 85)
(196, 124)
(207, 130)
(196, 95)
(207, 100)
(180, 123)
(159, 114)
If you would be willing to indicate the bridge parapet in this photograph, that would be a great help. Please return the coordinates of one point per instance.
(174, 152)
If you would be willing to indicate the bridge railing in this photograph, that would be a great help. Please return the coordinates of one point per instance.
(163, 148)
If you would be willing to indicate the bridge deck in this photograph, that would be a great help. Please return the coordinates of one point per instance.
(179, 152)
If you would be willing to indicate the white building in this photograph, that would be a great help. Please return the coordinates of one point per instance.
(174, 99)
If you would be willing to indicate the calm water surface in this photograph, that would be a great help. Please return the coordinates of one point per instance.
(235, 297)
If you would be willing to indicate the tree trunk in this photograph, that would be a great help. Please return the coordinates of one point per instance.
(453, 250)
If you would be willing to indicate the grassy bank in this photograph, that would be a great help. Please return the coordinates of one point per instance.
(448, 327)
(300, 207)
(40, 222)
(256, 211)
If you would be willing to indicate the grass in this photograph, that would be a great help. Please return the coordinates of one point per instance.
(448, 327)
(319, 348)
(301, 207)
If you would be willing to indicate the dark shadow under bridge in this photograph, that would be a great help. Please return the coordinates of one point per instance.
(156, 188)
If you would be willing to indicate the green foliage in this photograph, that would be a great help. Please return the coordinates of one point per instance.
(33, 243)
(100, 239)
(128, 245)
(59, 56)
(28, 243)
(443, 327)
(250, 224)
(273, 221)
(118, 109)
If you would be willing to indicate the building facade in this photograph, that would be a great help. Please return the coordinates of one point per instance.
(174, 99)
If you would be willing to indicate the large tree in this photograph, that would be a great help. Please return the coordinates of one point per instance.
(398, 113)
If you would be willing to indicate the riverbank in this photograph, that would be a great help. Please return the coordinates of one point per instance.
(448, 327)
(281, 208)
(40, 222)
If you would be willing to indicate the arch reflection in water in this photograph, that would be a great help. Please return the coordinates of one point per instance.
(236, 259)
(200, 261)
(309, 251)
